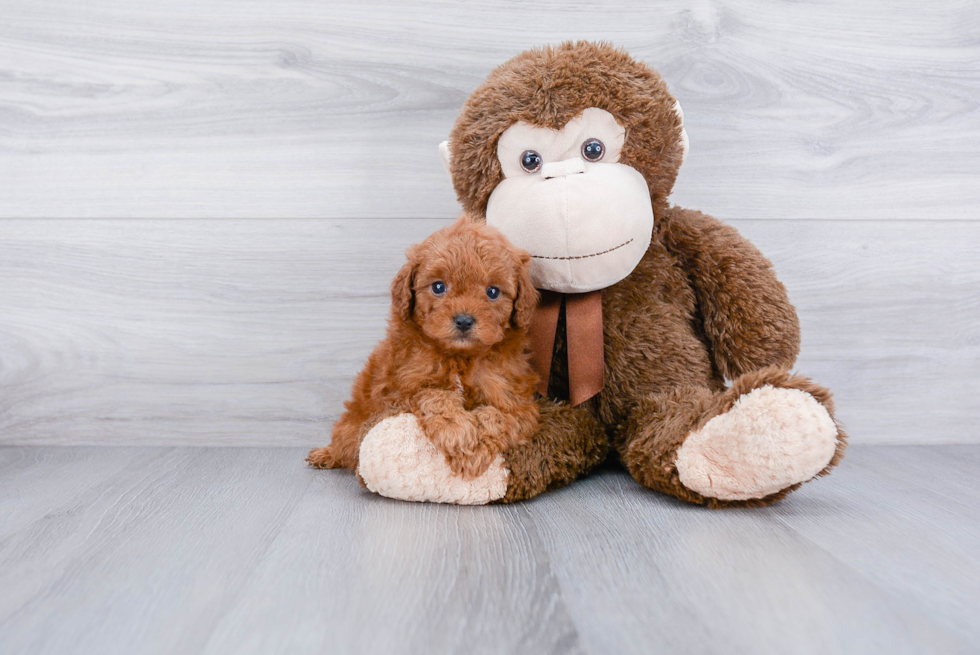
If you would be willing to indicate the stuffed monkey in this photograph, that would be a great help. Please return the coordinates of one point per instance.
(663, 337)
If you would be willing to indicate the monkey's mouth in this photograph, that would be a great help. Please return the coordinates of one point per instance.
(595, 254)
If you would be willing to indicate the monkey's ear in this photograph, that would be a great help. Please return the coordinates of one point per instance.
(403, 288)
(447, 157)
(527, 296)
(685, 142)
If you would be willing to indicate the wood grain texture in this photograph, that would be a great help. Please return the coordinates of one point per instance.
(167, 542)
(197, 550)
(638, 568)
(250, 332)
(942, 507)
(357, 573)
(835, 110)
(890, 314)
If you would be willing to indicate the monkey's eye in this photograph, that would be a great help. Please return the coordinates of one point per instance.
(531, 161)
(493, 293)
(439, 287)
(593, 150)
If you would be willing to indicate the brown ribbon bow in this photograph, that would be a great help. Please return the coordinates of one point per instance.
(583, 327)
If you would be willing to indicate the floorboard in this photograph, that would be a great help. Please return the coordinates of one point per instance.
(924, 498)
(147, 561)
(216, 550)
(357, 573)
(644, 569)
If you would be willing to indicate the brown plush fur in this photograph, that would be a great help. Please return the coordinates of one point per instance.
(649, 447)
(570, 440)
(548, 87)
(703, 305)
(472, 391)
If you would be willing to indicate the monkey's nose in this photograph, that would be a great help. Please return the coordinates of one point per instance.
(463, 322)
(563, 168)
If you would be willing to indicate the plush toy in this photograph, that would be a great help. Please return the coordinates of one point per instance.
(662, 335)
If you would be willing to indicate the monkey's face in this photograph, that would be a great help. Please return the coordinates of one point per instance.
(585, 218)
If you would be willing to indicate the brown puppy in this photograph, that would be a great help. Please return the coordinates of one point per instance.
(456, 353)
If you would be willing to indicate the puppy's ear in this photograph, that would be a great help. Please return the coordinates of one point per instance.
(403, 287)
(527, 296)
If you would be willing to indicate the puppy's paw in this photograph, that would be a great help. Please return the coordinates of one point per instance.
(322, 458)
(471, 464)
(456, 433)
(397, 460)
(491, 421)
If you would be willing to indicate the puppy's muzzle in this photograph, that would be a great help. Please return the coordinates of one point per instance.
(463, 322)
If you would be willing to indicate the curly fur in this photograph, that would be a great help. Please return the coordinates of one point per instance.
(472, 391)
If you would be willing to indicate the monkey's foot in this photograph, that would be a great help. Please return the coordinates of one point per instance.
(398, 461)
(770, 439)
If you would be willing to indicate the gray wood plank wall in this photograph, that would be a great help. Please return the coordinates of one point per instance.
(250, 331)
(843, 138)
(225, 108)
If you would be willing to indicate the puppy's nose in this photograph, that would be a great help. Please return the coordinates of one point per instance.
(463, 322)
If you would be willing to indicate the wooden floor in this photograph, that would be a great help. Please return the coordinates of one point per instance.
(241, 550)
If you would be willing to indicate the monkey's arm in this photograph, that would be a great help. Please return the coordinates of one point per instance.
(569, 442)
(747, 315)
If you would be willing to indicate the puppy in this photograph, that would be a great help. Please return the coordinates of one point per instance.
(456, 353)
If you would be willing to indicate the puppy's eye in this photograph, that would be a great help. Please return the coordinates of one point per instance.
(593, 150)
(493, 293)
(530, 161)
(439, 287)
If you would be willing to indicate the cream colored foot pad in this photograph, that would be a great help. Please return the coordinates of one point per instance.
(398, 461)
(770, 439)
